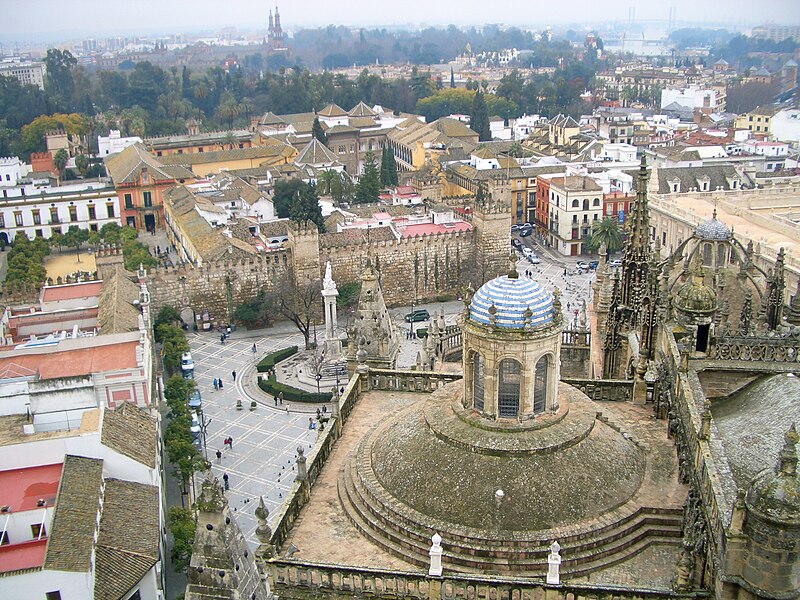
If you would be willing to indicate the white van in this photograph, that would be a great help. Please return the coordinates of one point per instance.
(187, 364)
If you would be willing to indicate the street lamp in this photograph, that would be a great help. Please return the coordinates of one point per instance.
(318, 376)
(203, 427)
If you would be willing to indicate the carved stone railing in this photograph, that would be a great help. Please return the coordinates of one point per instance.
(291, 579)
(758, 349)
(576, 337)
(614, 390)
(448, 342)
(409, 381)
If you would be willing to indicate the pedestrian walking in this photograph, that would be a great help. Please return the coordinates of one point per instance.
(276, 400)
(230, 442)
(225, 479)
(233, 374)
(280, 398)
(216, 384)
(222, 339)
(219, 381)
(254, 348)
(219, 455)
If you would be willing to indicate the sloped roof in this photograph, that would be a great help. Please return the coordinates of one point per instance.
(453, 128)
(72, 531)
(689, 177)
(276, 149)
(126, 166)
(361, 110)
(127, 545)
(116, 312)
(332, 110)
(132, 432)
(315, 153)
(270, 118)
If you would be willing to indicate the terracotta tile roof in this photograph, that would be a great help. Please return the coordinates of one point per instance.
(316, 153)
(332, 110)
(56, 362)
(127, 545)
(277, 149)
(75, 519)
(116, 312)
(361, 110)
(126, 166)
(71, 291)
(132, 432)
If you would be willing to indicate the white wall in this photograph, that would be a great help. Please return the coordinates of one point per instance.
(18, 524)
(9, 171)
(73, 586)
(786, 125)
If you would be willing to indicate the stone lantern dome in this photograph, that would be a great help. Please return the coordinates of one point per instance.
(512, 342)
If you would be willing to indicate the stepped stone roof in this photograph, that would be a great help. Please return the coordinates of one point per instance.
(72, 530)
(132, 432)
(332, 110)
(128, 541)
(361, 110)
(316, 153)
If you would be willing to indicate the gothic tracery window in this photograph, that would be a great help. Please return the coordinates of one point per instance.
(508, 389)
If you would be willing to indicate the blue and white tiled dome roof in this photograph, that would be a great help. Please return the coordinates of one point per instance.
(511, 297)
(713, 230)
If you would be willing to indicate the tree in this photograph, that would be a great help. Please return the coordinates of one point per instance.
(173, 344)
(369, 184)
(60, 83)
(334, 184)
(182, 526)
(515, 150)
(318, 132)
(606, 232)
(388, 167)
(299, 302)
(479, 118)
(82, 163)
(452, 78)
(75, 236)
(298, 201)
(168, 314)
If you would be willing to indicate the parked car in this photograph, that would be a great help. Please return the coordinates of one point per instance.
(527, 251)
(187, 364)
(533, 259)
(593, 264)
(516, 243)
(195, 428)
(418, 315)
(515, 227)
(195, 400)
(525, 230)
(582, 265)
(616, 263)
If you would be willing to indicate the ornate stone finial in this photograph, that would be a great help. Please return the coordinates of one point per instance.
(263, 531)
(492, 314)
(435, 553)
(705, 421)
(556, 303)
(361, 354)
(302, 473)
(603, 252)
(584, 321)
(527, 316)
(512, 269)
(212, 498)
(787, 462)
(554, 563)
(683, 579)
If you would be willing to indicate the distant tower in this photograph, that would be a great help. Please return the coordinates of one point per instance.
(275, 33)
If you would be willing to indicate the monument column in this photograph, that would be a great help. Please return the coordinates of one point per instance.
(329, 295)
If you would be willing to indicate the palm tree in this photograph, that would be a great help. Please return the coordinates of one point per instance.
(606, 232)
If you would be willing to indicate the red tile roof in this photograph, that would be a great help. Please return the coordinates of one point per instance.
(53, 363)
(28, 555)
(431, 228)
(71, 291)
(21, 489)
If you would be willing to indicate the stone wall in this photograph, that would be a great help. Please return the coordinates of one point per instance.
(421, 268)
(217, 287)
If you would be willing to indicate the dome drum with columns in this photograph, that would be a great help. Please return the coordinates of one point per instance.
(512, 343)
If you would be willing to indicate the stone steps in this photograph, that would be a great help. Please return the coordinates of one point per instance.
(582, 554)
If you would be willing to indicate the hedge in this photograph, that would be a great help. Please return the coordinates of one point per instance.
(273, 388)
(270, 360)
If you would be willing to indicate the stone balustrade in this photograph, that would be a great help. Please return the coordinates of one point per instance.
(614, 390)
(291, 579)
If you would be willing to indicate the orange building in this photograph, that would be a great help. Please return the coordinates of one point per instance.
(141, 180)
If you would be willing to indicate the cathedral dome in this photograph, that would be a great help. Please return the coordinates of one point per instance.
(713, 230)
(513, 302)
(775, 493)
(695, 297)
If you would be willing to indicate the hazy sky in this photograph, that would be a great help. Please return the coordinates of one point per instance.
(32, 19)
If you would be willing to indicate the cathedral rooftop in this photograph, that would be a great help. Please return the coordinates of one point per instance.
(512, 303)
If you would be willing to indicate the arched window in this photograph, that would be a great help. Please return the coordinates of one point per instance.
(508, 391)
(575, 203)
(708, 254)
(585, 204)
(722, 255)
(540, 384)
(596, 202)
(477, 381)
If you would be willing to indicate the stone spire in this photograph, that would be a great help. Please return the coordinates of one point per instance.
(794, 307)
(775, 288)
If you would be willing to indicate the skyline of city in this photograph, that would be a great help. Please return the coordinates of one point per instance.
(87, 18)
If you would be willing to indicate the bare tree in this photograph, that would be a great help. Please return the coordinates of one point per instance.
(299, 302)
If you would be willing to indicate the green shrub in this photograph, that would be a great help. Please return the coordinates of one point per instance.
(273, 388)
(270, 360)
